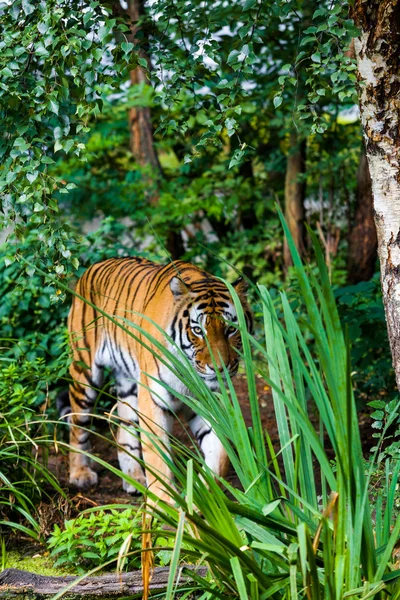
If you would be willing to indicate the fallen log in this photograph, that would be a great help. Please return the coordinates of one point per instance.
(18, 584)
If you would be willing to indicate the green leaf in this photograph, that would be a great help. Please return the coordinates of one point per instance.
(42, 27)
(57, 133)
(67, 145)
(9, 260)
(11, 176)
(237, 158)
(307, 40)
(6, 72)
(230, 124)
(27, 7)
(316, 57)
(378, 415)
(238, 575)
(249, 4)
(40, 50)
(103, 32)
(377, 404)
(91, 555)
(233, 56)
(127, 47)
(54, 106)
(278, 101)
(31, 177)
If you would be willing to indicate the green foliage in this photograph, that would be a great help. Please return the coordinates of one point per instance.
(384, 471)
(213, 206)
(24, 385)
(92, 539)
(226, 51)
(216, 103)
(361, 311)
(322, 69)
(24, 388)
(55, 62)
(98, 536)
(32, 322)
(109, 172)
(386, 422)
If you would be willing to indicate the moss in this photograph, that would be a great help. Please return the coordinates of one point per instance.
(39, 563)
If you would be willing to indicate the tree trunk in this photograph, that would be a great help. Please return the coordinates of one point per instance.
(363, 242)
(140, 126)
(142, 146)
(294, 196)
(16, 584)
(141, 129)
(378, 59)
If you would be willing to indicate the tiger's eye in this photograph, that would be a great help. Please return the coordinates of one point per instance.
(231, 330)
(197, 330)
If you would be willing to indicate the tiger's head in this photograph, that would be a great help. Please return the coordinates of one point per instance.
(205, 325)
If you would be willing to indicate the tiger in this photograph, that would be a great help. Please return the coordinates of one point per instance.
(196, 311)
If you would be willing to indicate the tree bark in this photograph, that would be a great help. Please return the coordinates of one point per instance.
(363, 241)
(15, 583)
(378, 60)
(294, 196)
(141, 130)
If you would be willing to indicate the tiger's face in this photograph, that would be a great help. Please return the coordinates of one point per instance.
(206, 326)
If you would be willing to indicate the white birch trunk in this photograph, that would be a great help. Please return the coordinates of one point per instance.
(378, 59)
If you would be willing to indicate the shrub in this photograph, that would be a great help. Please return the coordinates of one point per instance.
(96, 537)
(24, 439)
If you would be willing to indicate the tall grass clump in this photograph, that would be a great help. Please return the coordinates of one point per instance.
(301, 524)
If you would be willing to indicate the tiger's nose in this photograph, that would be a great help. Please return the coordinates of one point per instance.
(219, 368)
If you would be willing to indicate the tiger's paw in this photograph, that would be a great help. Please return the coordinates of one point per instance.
(129, 488)
(83, 478)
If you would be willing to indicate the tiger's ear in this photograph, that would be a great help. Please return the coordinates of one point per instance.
(240, 285)
(179, 287)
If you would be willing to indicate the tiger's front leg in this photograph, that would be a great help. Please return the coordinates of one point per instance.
(129, 442)
(215, 455)
(155, 419)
